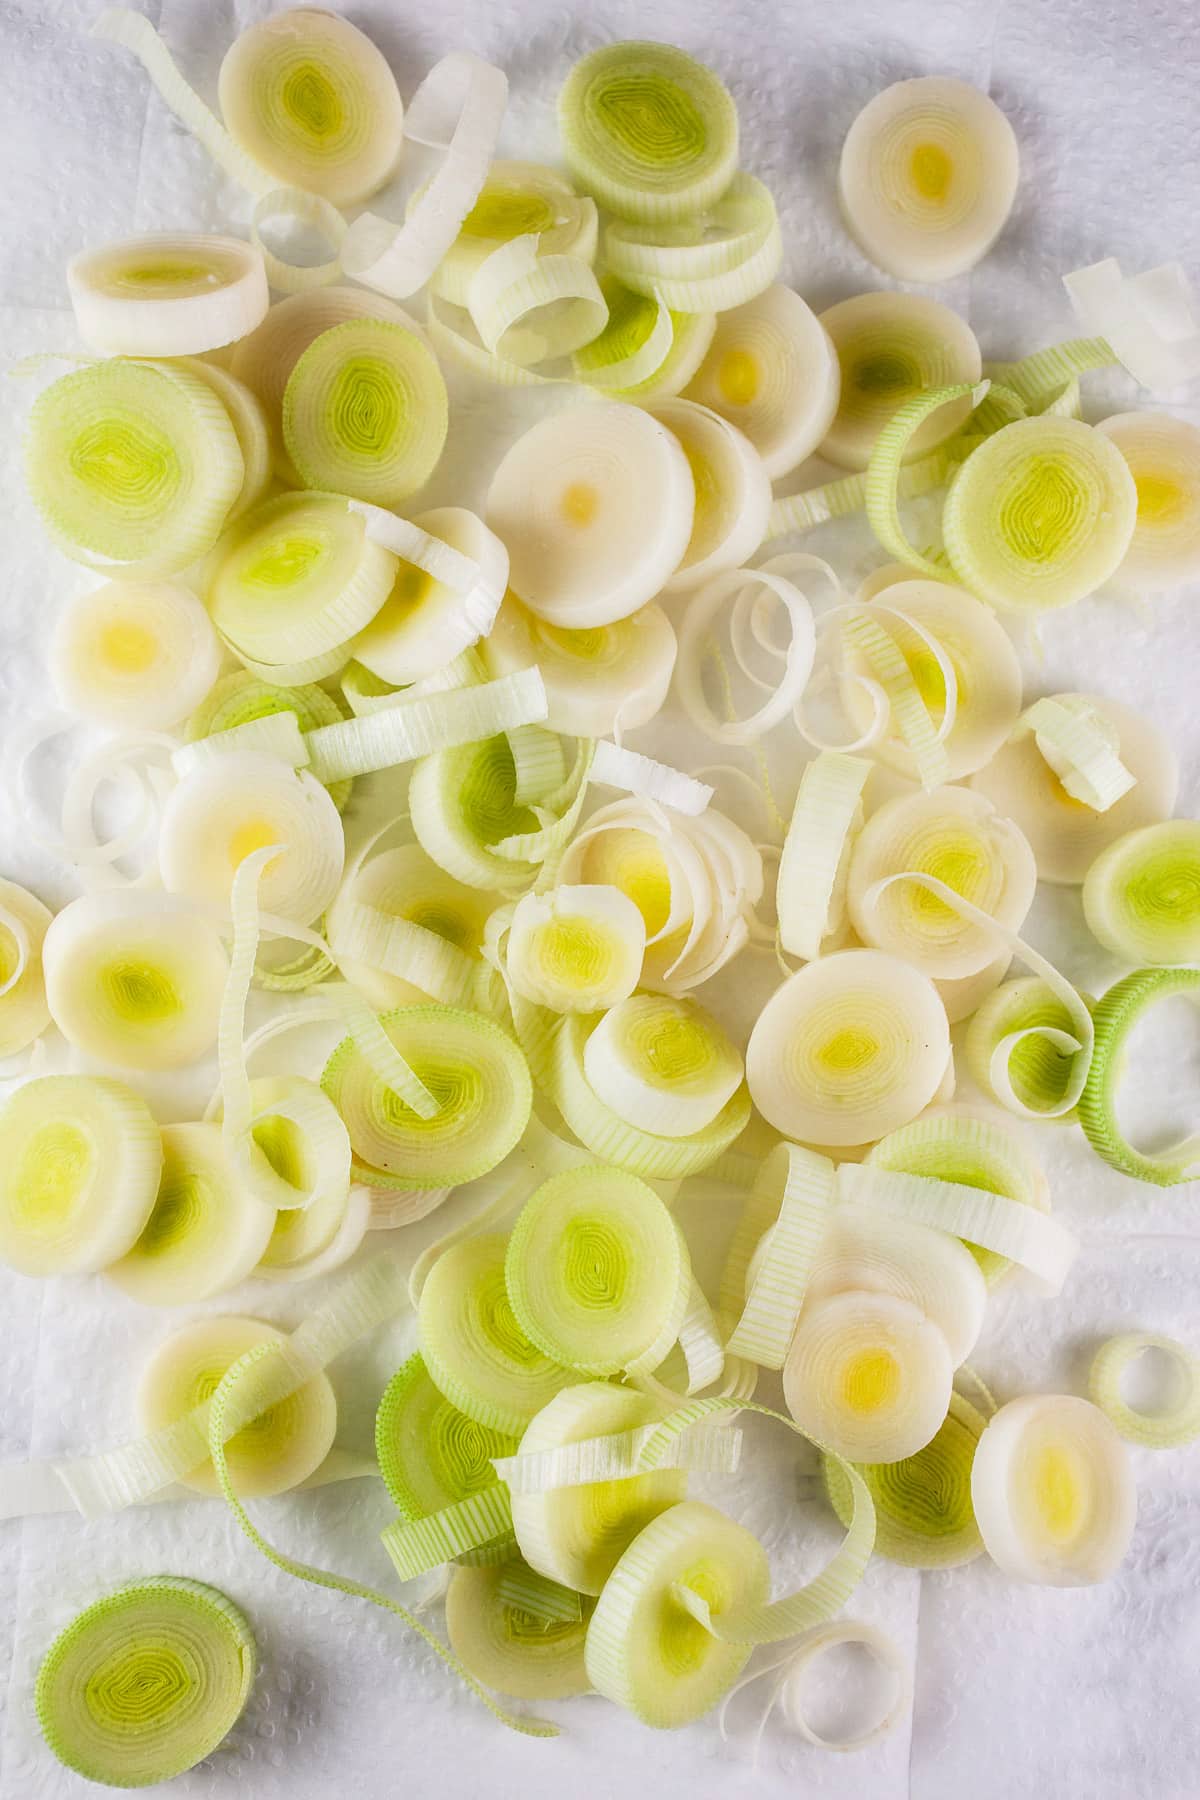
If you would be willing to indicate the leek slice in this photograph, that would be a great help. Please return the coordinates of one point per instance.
(241, 698)
(927, 178)
(1141, 896)
(250, 427)
(478, 1078)
(403, 930)
(597, 1273)
(426, 725)
(850, 1047)
(427, 620)
(1164, 459)
(474, 1349)
(869, 1252)
(576, 1533)
(1064, 832)
(810, 892)
(648, 130)
(786, 1220)
(168, 294)
(1040, 515)
(729, 255)
(664, 1065)
(314, 102)
(1148, 322)
(516, 198)
(1053, 1491)
(528, 307)
(644, 1649)
(596, 507)
(79, 1175)
(135, 980)
(135, 654)
(279, 1449)
(308, 1150)
(1116, 1014)
(596, 680)
(772, 370)
(1166, 1428)
(733, 492)
(645, 352)
(509, 1648)
(890, 348)
(134, 465)
(146, 1682)
(576, 949)
(207, 1229)
(1021, 1050)
(24, 1014)
(365, 412)
(923, 1512)
(867, 1374)
(432, 1456)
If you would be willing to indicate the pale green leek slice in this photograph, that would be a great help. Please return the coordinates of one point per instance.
(517, 198)
(664, 1065)
(1117, 1012)
(1141, 896)
(891, 348)
(923, 1512)
(167, 294)
(646, 352)
(1167, 1427)
(146, 1682)
(1021, 1048)
(728, 255)
(24, 1013)
(885, 470)
(576, 949)
(508, 1647)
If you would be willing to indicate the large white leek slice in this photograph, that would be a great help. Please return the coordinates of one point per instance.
(314, 101)
(207, 1229)
(135, 979)
(280, 1449)
(136, 654)
(923, 1512)
(648, 130)
(403, 930)
(1141, 897)
(24, 1014)
(596, 508)
(1164, 1427)
(890, 348)
(1163, 454)
(429, 618)
(810, 892)
(772, 370)
(927, 178)
(664, 1065)
(509, 1648)
(596, 680)
(726, 256)
(1150, 322)
(868, 1374)
(517, 198)
(576, 1534)
(1053, 1491)
(169, 294)
(1065, 834)
(733, 492)
(850, 1047)
(576, 949)
(869, 1252)
(78, 1176)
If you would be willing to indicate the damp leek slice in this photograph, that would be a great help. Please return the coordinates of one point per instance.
(428, 620)
(1163, 454)
(135, 655)
(664, 1065)
(596, 679)
(24, 1013)
(517, 198)
(890, 348)
(1141, 896)
(1167, 1427)
(923, 1512)
(1116, 1013)
(404, 931)
(510, 1649)
(167, 294)
(576, 949)
(868, 1375)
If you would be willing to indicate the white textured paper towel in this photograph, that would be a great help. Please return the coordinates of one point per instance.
(1019, 1690)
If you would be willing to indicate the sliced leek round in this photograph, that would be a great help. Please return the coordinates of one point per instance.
(510, 1649)
(927, 178)
(405, 931)
(596, 507)
(772, 370)
(1165, 1427)
(1141, 896)
(868, 1252)
(139, 655)
(168, 294)
(463, 804)
(1017, 1047)
(250, 426)
(135, 980)
(850, 1047)
(426, 622)
(314, 102)
(665, 1065)
(516, 199)
(576, 949)
(648, 130)
(1163, 454)
(79, 1173)
(1040, 515)
(890, 348)
(733, 492)
(24, 1014)
(241, 698)
(596, 679)
(646, 352)
(868, 1375)
(923, 1512)
(1117, 1012)
(1053, 1491)
(432, 1456)
(279, 1449)
(1065, 834)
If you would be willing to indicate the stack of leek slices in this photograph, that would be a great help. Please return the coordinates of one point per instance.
(369, 768)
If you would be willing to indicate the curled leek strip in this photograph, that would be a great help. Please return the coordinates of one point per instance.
(135, 654)
(1141, 896)
(703, 608)
(789, 1671)
(432, 1456)
(467, 1530)
(448, 588)
(729, 255)
(1116, 1014)
(884, 471)
(891, 348)
(530, 306)
(1178, 1422)
(838, 499)
(497, 1625)
(423, 727)
(308, 210)
(794, 1195)
(146, 1682)
(810, 891)
(634, 347)
(923, 1512)
(1020, 1047)
(403, 930)
(614, 766)
(1149, 322)
(167, 295)
(516, 198)
(910, 708)
(24, 1014)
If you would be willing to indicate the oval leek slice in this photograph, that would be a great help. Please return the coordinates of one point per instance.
(1065, 834)
(168, 294)
(207, 1230)
(772, 370)
(850, 1047)
(648, 130)
(24, 1014)
(279, 1449)
(927, 178)
(314, 102)
(1116, 1014)
(477, 1076)
(133, 979)
(644, 1649)
(577, 1533)
(1163, 454)
(146, 1682)
(1021, 1049)
(426, 622)
(923, 1513)
(867, 1252)
(664, 1065)
(867, 1374)
(596, 679)
(597, 1272)
(1165, 1428)
(890, 348)
(733, 492)
(474, 1348)
(509, 1649)
(132, 464)
(1053, 1491)
(1141, 896)
(1040, 515)
(139, 655)
(365, 412)
(79, 1173)
(463, 804)
(432, 1456)
(596, 507)
(576, 949)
